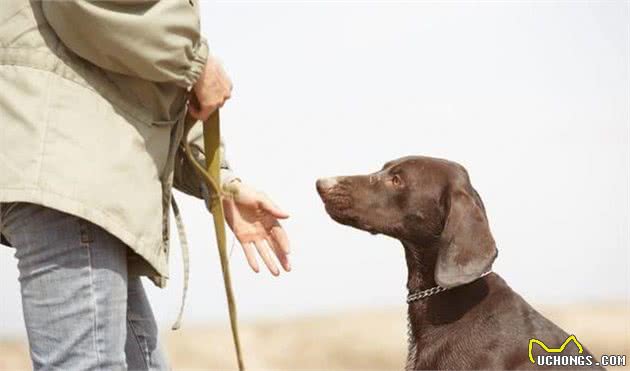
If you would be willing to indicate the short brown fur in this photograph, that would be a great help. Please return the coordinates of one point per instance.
(431, 207)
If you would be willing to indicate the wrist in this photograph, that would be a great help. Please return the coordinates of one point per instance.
(232, 187)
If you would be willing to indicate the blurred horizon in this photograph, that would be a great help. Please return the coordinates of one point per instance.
(343, 341)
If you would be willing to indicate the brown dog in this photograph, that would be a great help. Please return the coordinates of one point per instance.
(459, 318)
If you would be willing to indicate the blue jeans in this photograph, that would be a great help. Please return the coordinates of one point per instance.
(81, 309)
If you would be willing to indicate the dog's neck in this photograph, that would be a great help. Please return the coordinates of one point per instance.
(440, 309)
(420, 276)
(420, 265)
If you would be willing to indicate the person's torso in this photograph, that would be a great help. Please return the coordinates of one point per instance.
(86, 141)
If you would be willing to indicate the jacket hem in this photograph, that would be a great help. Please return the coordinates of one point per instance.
(141, 246)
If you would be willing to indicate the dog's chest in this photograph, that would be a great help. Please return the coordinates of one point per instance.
(411, 347)
(438, 347)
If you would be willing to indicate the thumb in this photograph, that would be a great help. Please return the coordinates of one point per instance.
(272, 209)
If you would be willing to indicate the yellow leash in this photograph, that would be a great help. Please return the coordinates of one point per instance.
(211, 177)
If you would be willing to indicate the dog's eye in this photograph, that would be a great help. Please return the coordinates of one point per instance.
(396, 181)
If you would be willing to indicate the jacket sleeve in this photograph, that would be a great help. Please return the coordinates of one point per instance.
(154, 40)
(185, 178)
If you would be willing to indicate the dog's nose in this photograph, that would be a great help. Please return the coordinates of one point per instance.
(325, 184)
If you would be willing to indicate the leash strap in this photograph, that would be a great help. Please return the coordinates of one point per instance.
(183, 241)
(211, 177)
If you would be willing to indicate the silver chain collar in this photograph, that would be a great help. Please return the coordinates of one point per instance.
(418, 295)
(413, 296)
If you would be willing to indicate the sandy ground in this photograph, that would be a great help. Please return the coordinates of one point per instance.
(373, 340)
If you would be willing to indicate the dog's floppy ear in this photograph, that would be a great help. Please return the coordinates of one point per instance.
(468, 248)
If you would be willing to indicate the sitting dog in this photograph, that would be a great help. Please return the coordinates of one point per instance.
(461, 315)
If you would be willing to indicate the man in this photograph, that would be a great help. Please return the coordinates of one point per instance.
(93, 97)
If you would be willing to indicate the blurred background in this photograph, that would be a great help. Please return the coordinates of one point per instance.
(531, 97)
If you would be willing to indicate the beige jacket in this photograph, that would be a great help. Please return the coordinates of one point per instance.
(92, 101)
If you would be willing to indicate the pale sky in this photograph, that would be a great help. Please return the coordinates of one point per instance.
(531, 97)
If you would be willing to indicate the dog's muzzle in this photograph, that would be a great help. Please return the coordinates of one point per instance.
(325, 184)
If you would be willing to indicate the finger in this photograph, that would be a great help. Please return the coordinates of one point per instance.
(280, 254)
(250, 255)
(272, 209)
(280, 238)
(208, 109)
(201, 114)
(193, 110)
(263, 251)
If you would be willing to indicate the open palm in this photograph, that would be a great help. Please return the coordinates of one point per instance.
(254, 220)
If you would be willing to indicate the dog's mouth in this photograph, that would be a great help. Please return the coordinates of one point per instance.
(338, 204)
(371, 230)
(350, 220)
(334, 194)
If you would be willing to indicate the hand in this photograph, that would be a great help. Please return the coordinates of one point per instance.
(211, 90)
(254, 220)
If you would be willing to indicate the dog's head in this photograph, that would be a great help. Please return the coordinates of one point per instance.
(426, 202)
